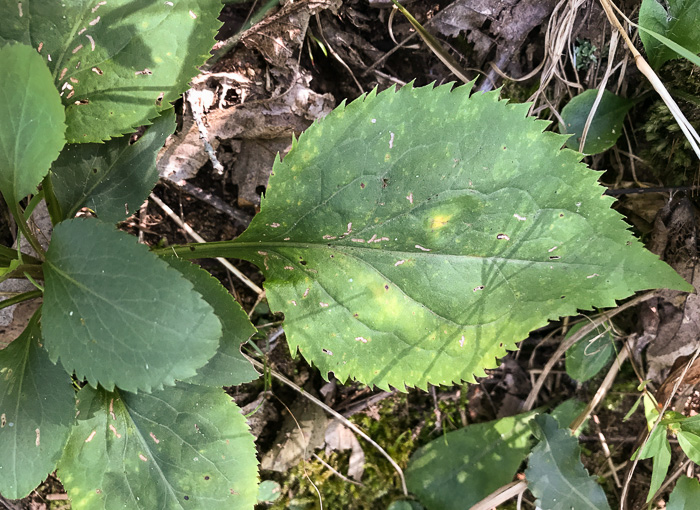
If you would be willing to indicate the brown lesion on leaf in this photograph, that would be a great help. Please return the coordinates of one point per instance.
(114, 429)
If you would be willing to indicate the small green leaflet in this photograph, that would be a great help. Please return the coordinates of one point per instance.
(679, 24)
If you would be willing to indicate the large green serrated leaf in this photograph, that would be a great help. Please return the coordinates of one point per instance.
(116, 63)
(679, 24)
(228, 367)
(462, 467)
(31, 121)
(112, 179)
(186, 446)
(555, 474)
(116, 314)
(36, 413)
(415, 236)
(685, 495)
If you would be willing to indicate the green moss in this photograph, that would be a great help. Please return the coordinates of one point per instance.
(668, 152)
(394, 431)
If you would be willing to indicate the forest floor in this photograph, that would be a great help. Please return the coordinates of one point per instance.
(298, 63)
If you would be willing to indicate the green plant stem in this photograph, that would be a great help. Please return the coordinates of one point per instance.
(32, 205)
(227, 249)
(19, 298)
(24, 228)
(51, 202)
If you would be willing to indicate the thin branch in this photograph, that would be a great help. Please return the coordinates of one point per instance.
(339, 417)
(243, 278)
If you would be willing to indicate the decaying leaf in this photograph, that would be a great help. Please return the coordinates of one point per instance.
(339, 438)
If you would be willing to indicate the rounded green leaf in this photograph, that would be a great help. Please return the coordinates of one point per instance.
(690, 443)
(37, 409)
(685, 494)
(113, 178)
(31, 121)
(606, 126)
(555, 474)
(116, 314)
(589, 355)
(415, 236)
(116, 63)
(228, 367)
(183, 447)
(460, 468)
(268, 491)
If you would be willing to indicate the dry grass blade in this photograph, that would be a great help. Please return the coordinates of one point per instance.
(557, 40)
(338, 416)
(554, 359)
(601, 88)
(647, 71)
(243, 278)
(434, 45)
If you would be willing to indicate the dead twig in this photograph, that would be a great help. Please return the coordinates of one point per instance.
(238, 216)
(554, 359)
(338, 416)
(243, 278)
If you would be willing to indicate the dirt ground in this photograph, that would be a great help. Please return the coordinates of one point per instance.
(304, 58)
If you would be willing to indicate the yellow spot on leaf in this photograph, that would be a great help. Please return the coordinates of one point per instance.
(439, 221)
